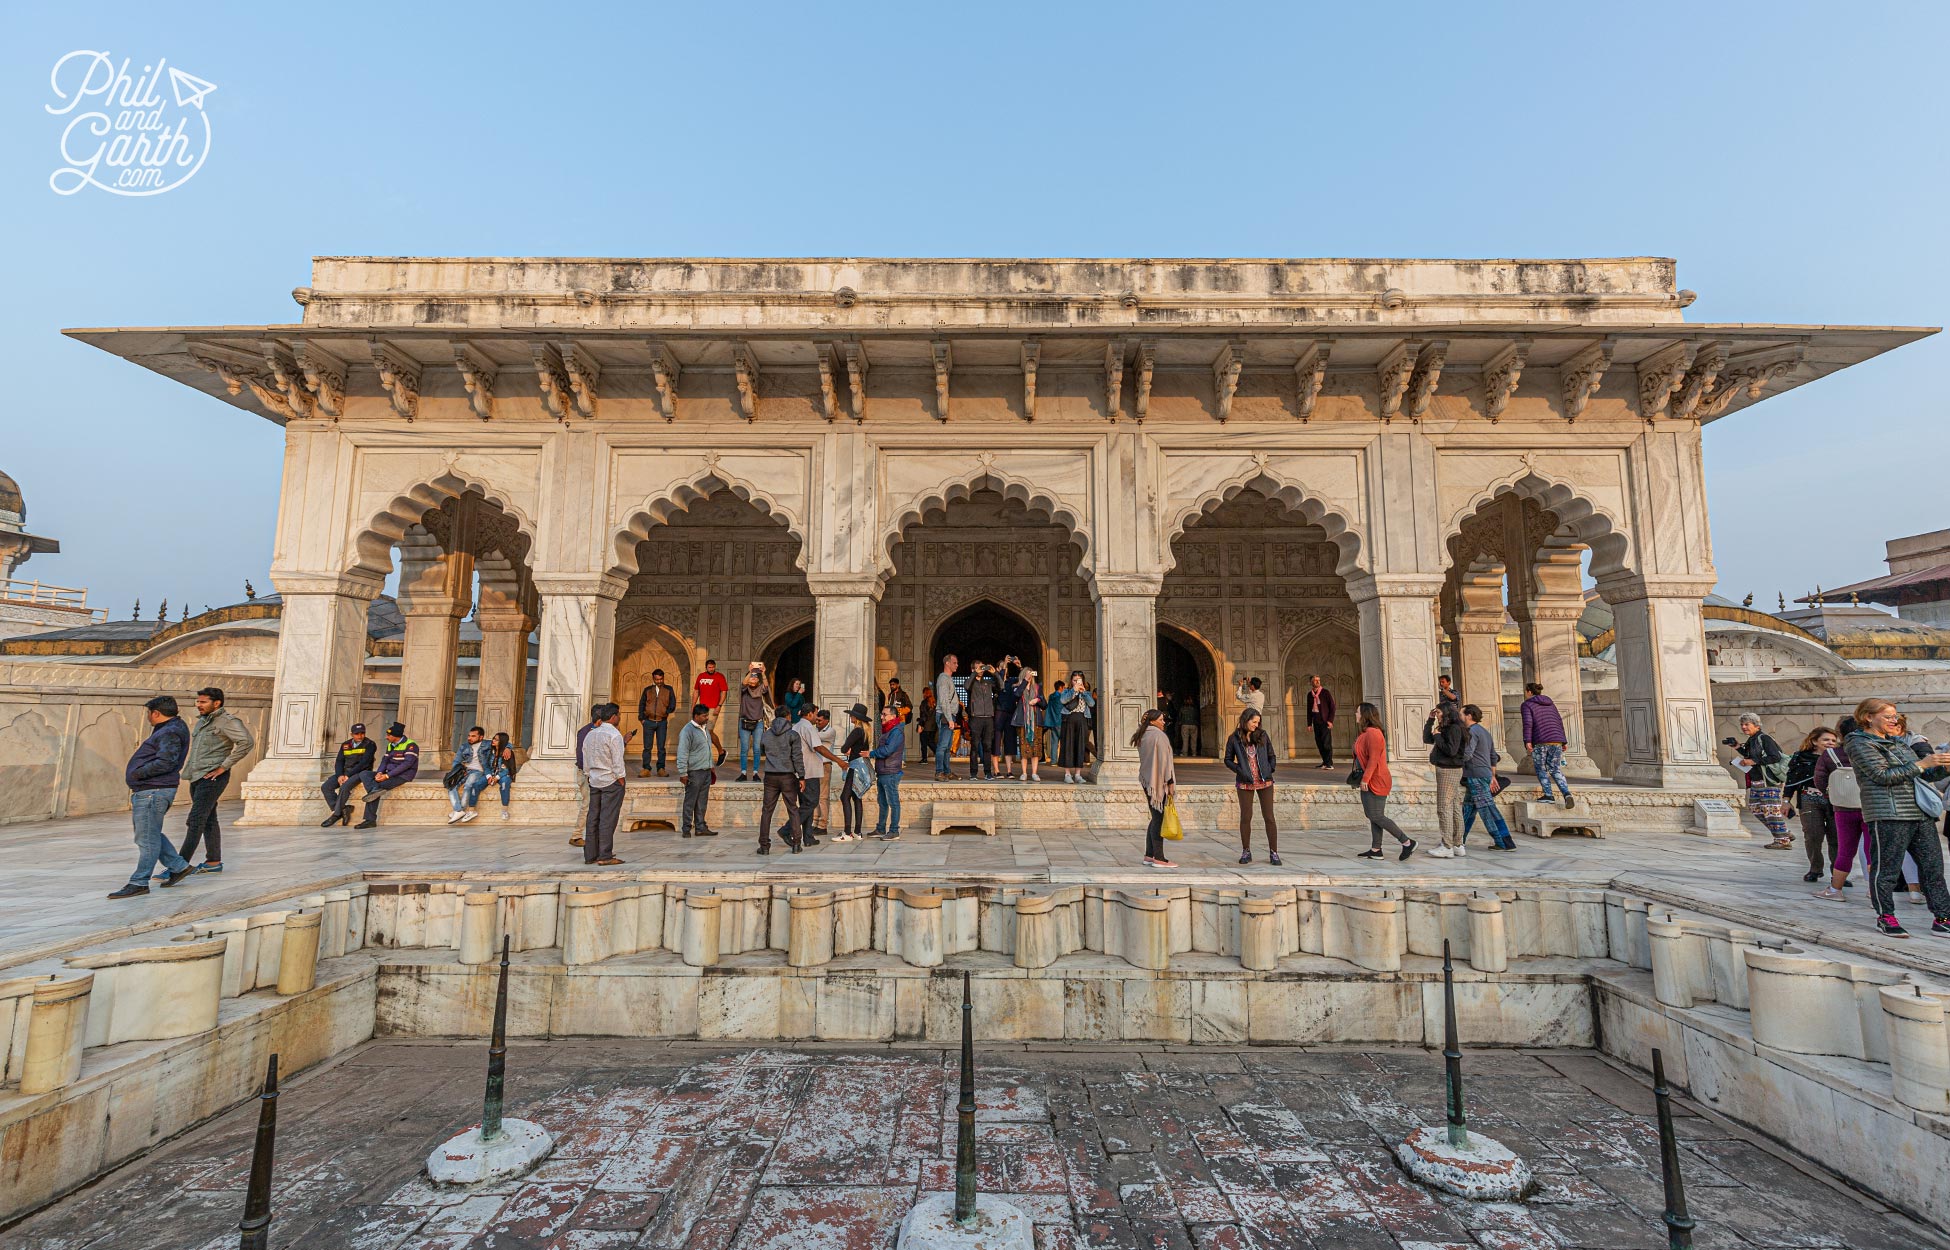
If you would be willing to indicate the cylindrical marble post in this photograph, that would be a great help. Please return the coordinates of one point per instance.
(477, 915)
(298, 958)
(56, 1031)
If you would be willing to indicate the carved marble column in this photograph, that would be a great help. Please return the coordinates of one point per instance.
(578, 655)
(843, 641)
(1398, 663)
(435, 591)
(1478, 669)
(1663, 690)
(1548, 619)
(321, 663)
(1127, 669)
(500, 705)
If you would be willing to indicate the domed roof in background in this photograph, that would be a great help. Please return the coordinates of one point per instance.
(11, 501)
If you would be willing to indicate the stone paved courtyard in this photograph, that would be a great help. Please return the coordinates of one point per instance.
(704, 1147)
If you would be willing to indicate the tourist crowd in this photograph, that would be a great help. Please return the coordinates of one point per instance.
(1865, 785)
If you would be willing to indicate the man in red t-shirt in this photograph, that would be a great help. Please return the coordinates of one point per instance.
(711, 690)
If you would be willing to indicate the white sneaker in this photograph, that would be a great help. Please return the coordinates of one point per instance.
(468, 815)
(453, 817)
(1441, 852)
(1460, 852)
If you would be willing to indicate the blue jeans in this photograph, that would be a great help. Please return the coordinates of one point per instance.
(656, 731)
(887, 789)
(147, 808)
(1547, 758)
(747, 747)
(507, 780)
(944, 746)
(1477, 798)
(468, 792)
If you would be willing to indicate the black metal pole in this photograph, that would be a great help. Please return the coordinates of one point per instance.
(497, 1054)
(1452, 1056)
(256, 1226)
(1679, 1225)
(965, 1109)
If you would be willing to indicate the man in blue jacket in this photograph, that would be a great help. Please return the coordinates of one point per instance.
(399, 765)
(153, 774)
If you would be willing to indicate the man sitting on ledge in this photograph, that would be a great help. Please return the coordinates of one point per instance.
(399, 765)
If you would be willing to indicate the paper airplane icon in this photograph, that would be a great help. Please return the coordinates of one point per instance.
(190, 89)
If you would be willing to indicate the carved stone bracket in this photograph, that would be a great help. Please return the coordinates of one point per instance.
(1500, 377)
(1699, 379)
(324, 378)
(1748, 376)
(1422, 382)
(1660, 375)
(477, 373)
(400, 375)
(744, 362)
(1032, 351)
(584, 373)
(1582, 373)
(665, 371)
(1392, 375)
(1309, 373)
(237, 375)
(1146, 361)
(829, 394)
(943, 364)
(855, 354)
(1114, 377)
(553, 377)
(289, 380)
(1226, 368)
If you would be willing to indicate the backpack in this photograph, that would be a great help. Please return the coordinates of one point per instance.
(1843, 789)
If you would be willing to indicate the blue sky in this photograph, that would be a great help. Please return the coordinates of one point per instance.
(1790, 156)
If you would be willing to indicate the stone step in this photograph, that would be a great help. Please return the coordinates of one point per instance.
(961, 814)
(1544, 820)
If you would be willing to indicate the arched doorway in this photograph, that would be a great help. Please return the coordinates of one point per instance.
(988, 632)
(1333, 650)
(789, 657)
(1186, 674)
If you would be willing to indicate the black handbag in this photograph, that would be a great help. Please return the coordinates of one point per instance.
(1354, 776)
(455, 775)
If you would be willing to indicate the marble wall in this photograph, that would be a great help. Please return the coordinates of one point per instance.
(67, 730)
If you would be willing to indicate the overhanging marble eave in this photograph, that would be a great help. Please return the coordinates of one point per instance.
(181, 352)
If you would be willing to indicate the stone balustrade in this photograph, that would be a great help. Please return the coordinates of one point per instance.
(599, 924)
(1811, 1006)
(56, 1033)
(1917, 1021)
(1699, 961)
(150, 993)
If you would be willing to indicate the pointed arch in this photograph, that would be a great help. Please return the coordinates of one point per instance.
(1296, 498)
(1590, 524)
(658, 508)
(1036, 499)
(372, 546)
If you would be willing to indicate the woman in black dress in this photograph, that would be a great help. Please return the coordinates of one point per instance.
(1073, 754)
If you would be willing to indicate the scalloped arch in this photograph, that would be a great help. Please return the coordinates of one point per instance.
(1610, 542)
(1343, 533)
(656, 509)
(1030, 496)
(372, 547)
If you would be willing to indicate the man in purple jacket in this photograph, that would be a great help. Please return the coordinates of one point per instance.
(1544, 738)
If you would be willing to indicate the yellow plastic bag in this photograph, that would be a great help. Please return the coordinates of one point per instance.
(1171, 830)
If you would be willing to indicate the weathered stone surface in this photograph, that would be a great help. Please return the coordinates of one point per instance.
(1483, 1171)
(466, 1159)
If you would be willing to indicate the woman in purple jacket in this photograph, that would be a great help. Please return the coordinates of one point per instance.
(1545, 739)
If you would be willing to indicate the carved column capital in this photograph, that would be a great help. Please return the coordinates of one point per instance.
(581, 585)
(349, 585)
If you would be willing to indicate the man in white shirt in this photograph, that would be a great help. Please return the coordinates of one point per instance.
(604, 763)
(815, 757)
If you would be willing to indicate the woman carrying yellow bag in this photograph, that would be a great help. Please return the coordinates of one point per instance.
(1159, 779)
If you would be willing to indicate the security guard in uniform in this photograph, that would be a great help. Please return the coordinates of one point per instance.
(356, 757)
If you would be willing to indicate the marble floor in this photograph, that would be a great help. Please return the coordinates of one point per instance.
(825, 1148)
(54, 896)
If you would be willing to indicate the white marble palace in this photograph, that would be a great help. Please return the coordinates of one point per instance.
(1166, 474)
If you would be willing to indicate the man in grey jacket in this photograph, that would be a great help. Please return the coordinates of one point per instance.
(218, 743)
(694, 756)
(1479, 780)
(782, 762)
(947, 703)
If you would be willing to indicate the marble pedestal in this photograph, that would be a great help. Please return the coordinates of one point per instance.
(1483, 1171)
(996, 1226)
(467, 1160)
